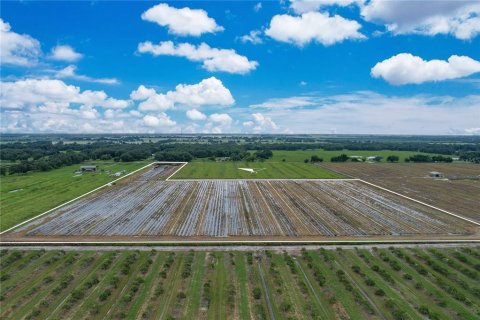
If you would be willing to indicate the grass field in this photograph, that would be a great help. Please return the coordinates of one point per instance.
(395, 283)
(24, 196)
(301, 155)
(266, 170)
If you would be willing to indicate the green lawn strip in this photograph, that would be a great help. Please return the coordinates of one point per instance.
(241, 275)
(325, 309)
(64, 312)
(290, 292)
(301, 155)
(41, 191)
(337, 289)
(18, 276)
(432, 286)
(454, 277)
(413, 296)
(118, 307)
(392, 290)
(146, 290)
(170, 286)
(106, 306)
(46, 293)
(35, 279)
(91, 299)
(431, 293)
(266, 170)
(194, 293)
(218, 308)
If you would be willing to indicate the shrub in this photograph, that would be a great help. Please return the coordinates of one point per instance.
(257, 293)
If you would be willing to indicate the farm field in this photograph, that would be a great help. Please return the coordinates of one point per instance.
(301, 155)
(265, 170)
(146, 207)
(25, 196)
(394, 283)
(458, 193)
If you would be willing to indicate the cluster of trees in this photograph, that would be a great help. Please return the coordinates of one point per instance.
(44, 164)
(341, 158)
(33, 153)
(470, 156)
(427, 158)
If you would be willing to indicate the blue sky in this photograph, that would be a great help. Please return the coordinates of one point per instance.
(327, 66)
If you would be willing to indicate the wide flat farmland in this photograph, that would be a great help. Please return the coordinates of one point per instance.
(459, 192)
(148, 207)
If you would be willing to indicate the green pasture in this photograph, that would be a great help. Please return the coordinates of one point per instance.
(25, 196)
(263, 170)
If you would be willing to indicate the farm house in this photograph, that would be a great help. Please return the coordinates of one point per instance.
(435, 174)
(88, 168)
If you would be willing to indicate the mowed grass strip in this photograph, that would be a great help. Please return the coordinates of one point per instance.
(263, 170)
(326, 155)
(25, 196)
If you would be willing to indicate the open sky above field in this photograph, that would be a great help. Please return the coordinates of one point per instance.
(331, 66)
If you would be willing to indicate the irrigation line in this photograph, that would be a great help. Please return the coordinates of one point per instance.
(311, 288)
(365, 295)
(267, 296)
(89, 192)
(423, 203)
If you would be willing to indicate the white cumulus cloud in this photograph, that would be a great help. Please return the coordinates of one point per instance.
(183, 22)
(70, 72)
(65, 53)
(213, 59)
(313, 27)
(17, 49)
(405, 68)
(252, 37)
(160, 120)
(26, 93)
(458, 18)
(209, 91)
(195, 115)
(261, 123)
(302, 6)
(221, 118)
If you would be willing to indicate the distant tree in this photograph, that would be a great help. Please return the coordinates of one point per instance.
(315, 158)
(393, 158)
(306, 160)
(378, 158)
(3, 171)
(420, 158)
(340, 158)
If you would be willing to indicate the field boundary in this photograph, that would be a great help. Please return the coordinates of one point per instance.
(227, 243)
(421, 202)
(267, 179)
(89, 192)
(181, 167)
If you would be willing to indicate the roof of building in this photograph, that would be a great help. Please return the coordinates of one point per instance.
(88, 167)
